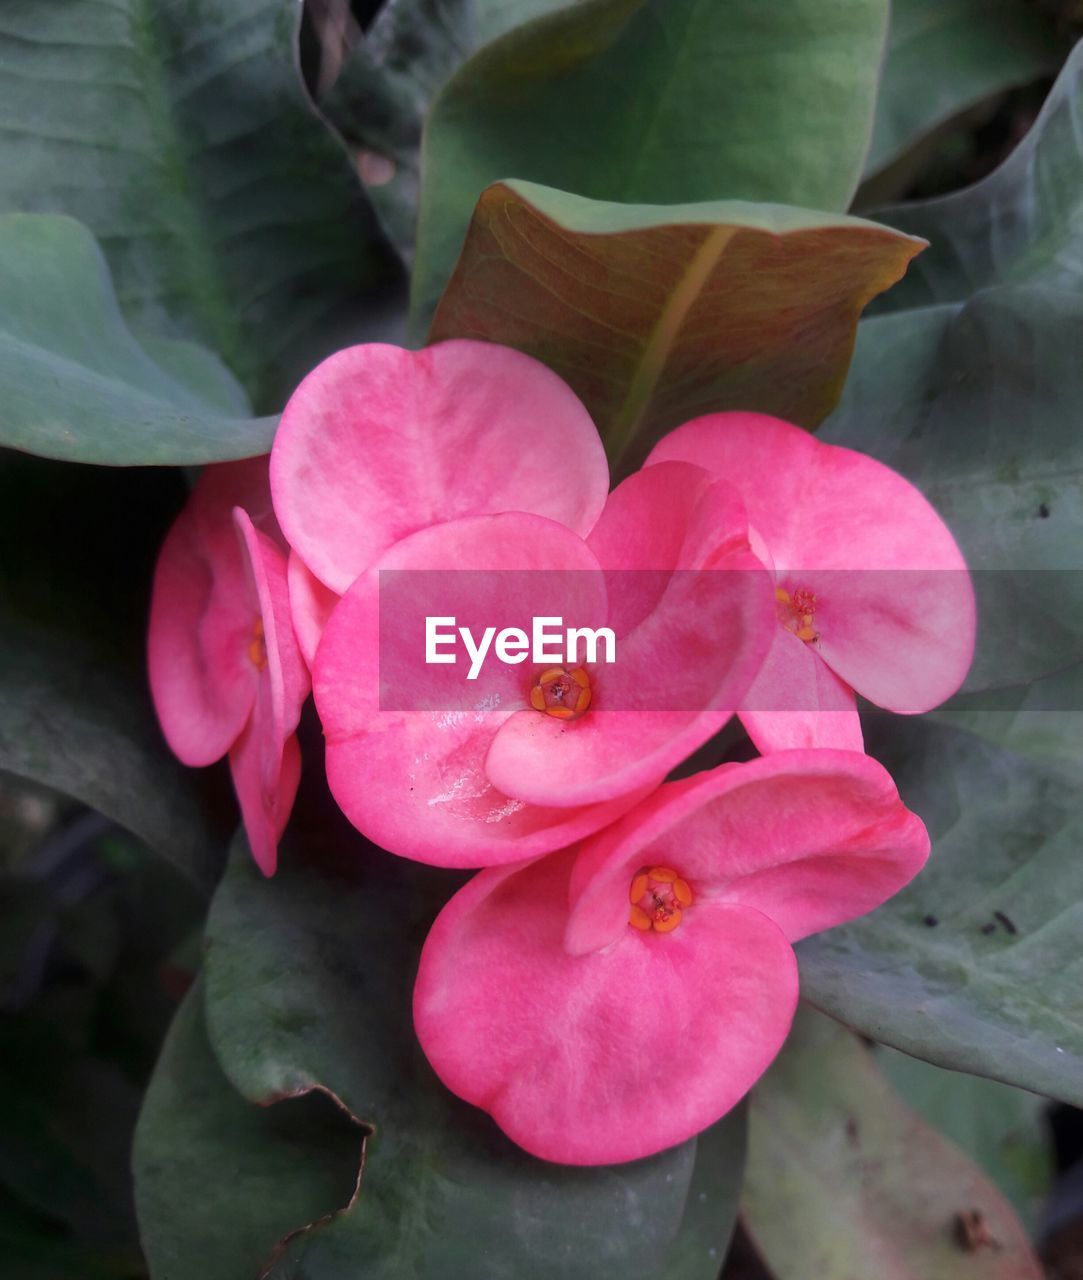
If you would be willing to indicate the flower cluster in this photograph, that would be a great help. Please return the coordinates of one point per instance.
(621, 970)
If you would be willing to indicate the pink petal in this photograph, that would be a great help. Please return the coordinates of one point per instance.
(894, 603)
(225, 669)
(797, 701)
(413, 779)
(203, 609)
(810, 838)
(421, 791)
(378, 442)
(284, 672)
(600, 1058)
(266, 760)
(693, 611)
(310, 603)
(903, 640)
(265, 809)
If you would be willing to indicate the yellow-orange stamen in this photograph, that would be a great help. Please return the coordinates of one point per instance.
(640, 919)
(257, 646)
(659, 897)
(796, 611)
(562, 693)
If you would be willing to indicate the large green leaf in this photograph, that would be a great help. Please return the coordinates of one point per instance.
(1042, 719)
(655, 314)
(221, 1185)
(977, 964)
(845, 1182)
(941, 392)
(308, 986)
(654, 101)
(179, 132)
(1022, 224)
(76, 550)
(77, 383)
(946, 55)
(972, 388)
(978, 405)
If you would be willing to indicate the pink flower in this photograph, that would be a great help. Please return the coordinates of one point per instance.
(607, 1002)
(872, 592)
(225, 670)
(378, 442)
(473, 460)
(528, 760)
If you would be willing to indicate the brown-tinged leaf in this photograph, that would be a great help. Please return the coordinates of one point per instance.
(845, 1182)
(655, 314)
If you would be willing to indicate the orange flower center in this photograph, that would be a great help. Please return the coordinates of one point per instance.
(257, 646)
(796, 611)
(562, 693)
(659, 897)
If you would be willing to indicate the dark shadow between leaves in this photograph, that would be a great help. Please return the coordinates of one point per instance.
(317, 1115)
(223, 1186)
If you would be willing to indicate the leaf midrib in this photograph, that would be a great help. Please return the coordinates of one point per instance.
(663, 336)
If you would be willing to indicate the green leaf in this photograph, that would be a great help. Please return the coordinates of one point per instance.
(844, 1182)
(976, 965)
(654, 101)
(84, 727)
(221, 1185)
(309, 981)
(76, 551)
(79, 386)
(199, 370)
(655, 314)
(379, 99)
(977, 405)
(181, 135)
(1003, 1130)
(944, 56)
(971, 387)
(490, 19)
(1043, 719)
(1021, 225)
